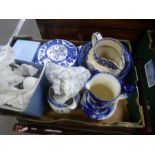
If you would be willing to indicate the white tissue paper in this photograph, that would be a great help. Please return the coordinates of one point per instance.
(7, 55)
(10, 96)
(25, 70)
(66, 81)
(14, 97)
(8, 78)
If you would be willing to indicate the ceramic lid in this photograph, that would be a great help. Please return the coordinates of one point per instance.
(59, 51)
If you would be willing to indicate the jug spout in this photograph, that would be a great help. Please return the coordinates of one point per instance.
(87, 86)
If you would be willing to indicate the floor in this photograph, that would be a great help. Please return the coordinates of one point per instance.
(6, 125)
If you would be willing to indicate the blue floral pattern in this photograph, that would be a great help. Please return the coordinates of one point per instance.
(58, 51)
(105, 62)
(90, 109)
(61, 108)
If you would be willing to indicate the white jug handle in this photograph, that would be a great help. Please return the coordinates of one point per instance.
(127, 90)
(95, 37)
(73, 105)
(123, 96)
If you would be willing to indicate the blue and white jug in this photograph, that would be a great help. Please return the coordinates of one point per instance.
(101, 95)
(65, 107)
(107, 55)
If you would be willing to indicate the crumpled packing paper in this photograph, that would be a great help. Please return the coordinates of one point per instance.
(9, 94)
(8, 78)
(7, 55)
(15, 98)
(66, 81)
(25, 70)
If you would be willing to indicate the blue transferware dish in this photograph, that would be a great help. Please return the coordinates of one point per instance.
(58, 51)
(83, 60)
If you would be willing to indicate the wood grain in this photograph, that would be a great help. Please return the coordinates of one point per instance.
(130, 29)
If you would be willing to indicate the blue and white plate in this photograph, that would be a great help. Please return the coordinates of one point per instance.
(86, 48)
(58, 51)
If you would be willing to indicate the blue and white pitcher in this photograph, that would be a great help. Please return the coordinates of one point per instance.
(108, 54)
(101, 95)
(66, 107)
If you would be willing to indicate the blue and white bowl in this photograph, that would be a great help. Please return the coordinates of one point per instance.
(58, 51)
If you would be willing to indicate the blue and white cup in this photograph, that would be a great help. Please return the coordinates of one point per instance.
(108, 52)
(66, 107)
(102, 93)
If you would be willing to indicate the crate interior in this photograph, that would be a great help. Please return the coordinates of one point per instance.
(127, 110)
